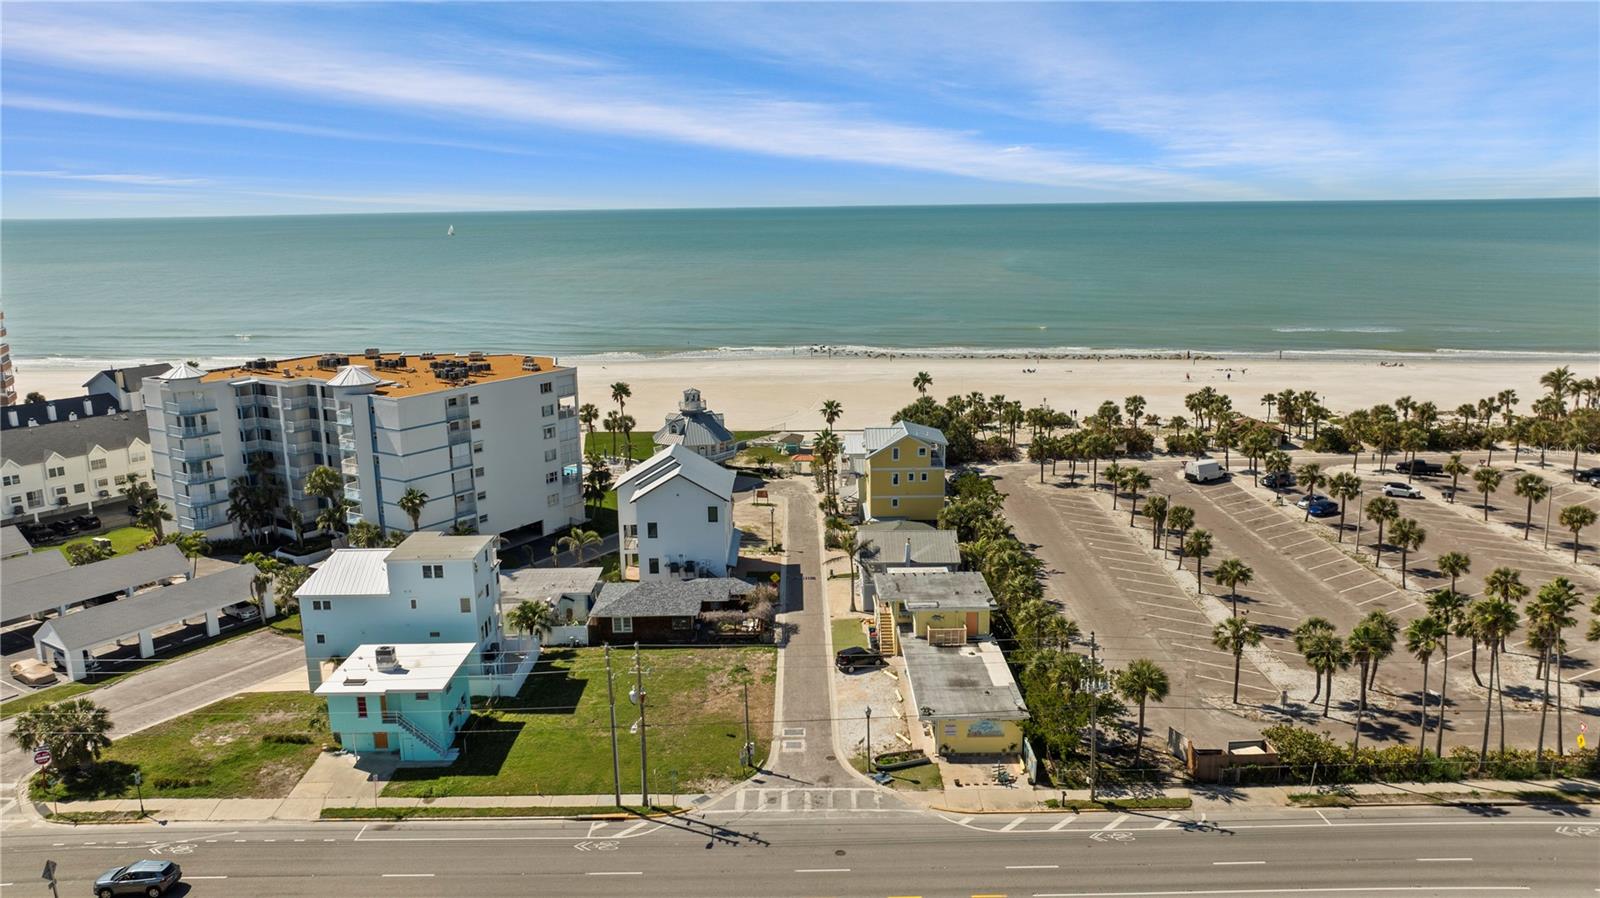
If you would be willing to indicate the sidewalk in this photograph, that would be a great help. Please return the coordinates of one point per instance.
(302, 809)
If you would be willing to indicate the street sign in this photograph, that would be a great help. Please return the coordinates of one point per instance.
(41, 756)
(49, 874)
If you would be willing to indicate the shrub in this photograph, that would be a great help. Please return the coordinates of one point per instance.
(288, 738)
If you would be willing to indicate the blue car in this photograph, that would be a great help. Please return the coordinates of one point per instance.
(1322, 508)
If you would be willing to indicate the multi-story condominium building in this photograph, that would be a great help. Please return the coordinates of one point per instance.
(67, 454)
(127, 384)
(432, 589)
(899, 471)
(8, 376)
(675, 514)
(492, 439)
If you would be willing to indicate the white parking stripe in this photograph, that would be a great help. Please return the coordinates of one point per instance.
(1326, 563)
(1170, 607)
(1355, 570)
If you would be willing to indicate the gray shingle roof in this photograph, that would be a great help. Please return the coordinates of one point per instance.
(545, 584)
(885, 544)
(32, 445)
(693, 429)
(132, 377)
(665, 598)
(93, 406)
(124, 617)
(79, 584)
(12, 542)
(27, 567)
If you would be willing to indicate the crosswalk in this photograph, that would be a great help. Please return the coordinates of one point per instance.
(803, 800)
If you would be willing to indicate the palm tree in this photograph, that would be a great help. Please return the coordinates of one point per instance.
(193, 545)
(261, 581)
(588, 416)
(620, 394)
(1232, 573)
(1277, 463)
(613, 427)
(1269, 400)
(75, 732)
(1309, 629)
(533, 617)
(1575, 518)
(1533, 488)
(1559, 382)
(1412, 441)
(412, 501)
(1233, 636)
(1180, 518)
(1494, 620)
(1326, 654)
(365, 535)
(1505, 584)
(1198, 544)
(1113, 472)
(1548, 615)
(1365, 645)
(1345, 487)
(1424, 636)
(1455, 467)
(1453, 565)
(324, 483)
(1134, 480)
(1450, 609)
(596, 480)
(578, 541)
(922, 382)
(831, 412)
(1385, 631)
(151, 516)
(1383, 510)
(1155, 508)
(1488, 480)
(1311, 477)
(627, 423)
(1143, 680)
(1408, 536)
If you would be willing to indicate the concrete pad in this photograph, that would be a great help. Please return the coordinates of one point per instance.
(245, 809)
(299, 809)
(292, 681)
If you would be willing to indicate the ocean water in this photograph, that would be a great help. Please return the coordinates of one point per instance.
(1476, 277)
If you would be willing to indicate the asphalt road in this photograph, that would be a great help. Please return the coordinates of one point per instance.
(1381, 852)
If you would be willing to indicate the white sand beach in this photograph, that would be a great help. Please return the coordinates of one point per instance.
(785, 392)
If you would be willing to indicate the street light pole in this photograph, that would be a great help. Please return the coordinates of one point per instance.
(1549, 506)
(644, 750)
(871, 767)
(616, 762)
(1094, 715)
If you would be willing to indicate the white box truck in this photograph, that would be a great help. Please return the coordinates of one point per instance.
(1205, 470)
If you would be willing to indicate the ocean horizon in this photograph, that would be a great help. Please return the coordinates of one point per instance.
(1457, 278)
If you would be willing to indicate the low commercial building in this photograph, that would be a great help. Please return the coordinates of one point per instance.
(570, 591)
(697, 429)
(675, 511)
(66, 455)
(660, 611)
(406, 699)
(902, 545)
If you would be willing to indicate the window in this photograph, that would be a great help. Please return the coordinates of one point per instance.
(650, 530)
(482, 496)
(466, 604)
(434, 634)
(483, 519)
(477, 447)
(623, 624)
(894, 503)
(924, 476)
(120, 479)
(476, 424)
(57, 472)
(550, 432)
(895, 453)
(77, 487)
(711, 514)
(549, 455)
(472, 400)
(361, 706)
(12, 479)
(97, 464)
(35, 498)
(413, 604)
(477, 472)
(102, 483)
(421, 696)
(547, 410)
(894, 479)
(321, 639)
(922, 451)
(682, 623)
(433, 572)
(655, 565)
(547, 387)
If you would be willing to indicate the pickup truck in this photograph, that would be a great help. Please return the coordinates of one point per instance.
(1419, 468)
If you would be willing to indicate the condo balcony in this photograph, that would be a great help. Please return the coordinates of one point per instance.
(196, 451)
(197, 478)
(457, 412)
(198, 406)
(194, 431)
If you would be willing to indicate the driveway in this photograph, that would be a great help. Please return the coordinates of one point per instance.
(173, 689)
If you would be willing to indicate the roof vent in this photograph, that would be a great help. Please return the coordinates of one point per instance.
(385, 658)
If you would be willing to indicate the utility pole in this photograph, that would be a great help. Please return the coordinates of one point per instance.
(1094, 714)
(749, 747)
(772, 523)
(644, 751)
(616, 762)
(871, 767)
(1358, 523)
(1549, 506)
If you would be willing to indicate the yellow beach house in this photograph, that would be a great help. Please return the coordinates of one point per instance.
(900, 471)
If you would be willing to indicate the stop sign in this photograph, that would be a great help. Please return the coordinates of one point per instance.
(41, 756)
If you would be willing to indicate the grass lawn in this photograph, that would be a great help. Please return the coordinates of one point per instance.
(224, 750)
(641, 445)
(923, 778)
(848, 631)
(123, 540)
(288, 625)
(130, 667)
(446, 811)
(552, 738)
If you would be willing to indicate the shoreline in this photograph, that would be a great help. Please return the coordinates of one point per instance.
(784, 391)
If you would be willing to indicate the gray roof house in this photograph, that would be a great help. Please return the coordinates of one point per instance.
(51, 411)
(655, 611)
(695, 428)
(899, 545)
(124, 383)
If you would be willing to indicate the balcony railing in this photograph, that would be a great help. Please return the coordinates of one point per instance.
(196, 478)
(457, 412)
(198, 452)
(194, 432)
(189, 407)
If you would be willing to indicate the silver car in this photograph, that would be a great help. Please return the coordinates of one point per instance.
(1401, 491)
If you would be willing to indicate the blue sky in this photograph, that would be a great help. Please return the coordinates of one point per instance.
(200, 109)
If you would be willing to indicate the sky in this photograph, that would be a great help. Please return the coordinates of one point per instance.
(230, 108)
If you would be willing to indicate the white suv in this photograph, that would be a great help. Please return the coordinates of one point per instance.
(1402, 491)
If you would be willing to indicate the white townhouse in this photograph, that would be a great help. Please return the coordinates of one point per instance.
(432, 589)
(675, 511)
(126, 384)
(492, 439)
(68, 454)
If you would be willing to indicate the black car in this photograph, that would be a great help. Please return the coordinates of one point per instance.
(1591, 476)
(857, 658)
(36, 533)
(1418, 467)
(87, 522)
(64, 528)
(150, 878)
(1278, 481)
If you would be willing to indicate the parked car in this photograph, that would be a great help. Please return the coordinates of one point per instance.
(1323, 507)
(1401, 491)
(1204, 471)
(245, 611)
(1591, 476)
(36, 533)
(32, 672)
(87, 522)
(1279, 480)
(64, 529)
(151, 878)
(1419, 467)
(856, 658)
(1310, 498)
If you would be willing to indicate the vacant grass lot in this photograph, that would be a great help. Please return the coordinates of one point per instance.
(923, 778)
(642, 444)
(123, 540)
(553, 737)
(847, 632)
(230, 749)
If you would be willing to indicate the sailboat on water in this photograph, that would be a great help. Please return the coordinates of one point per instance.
(451, 232)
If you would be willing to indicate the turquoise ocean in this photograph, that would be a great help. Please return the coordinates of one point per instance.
(1474, 278)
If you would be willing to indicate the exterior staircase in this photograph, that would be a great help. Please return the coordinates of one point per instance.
(446, 753)
(888, 634)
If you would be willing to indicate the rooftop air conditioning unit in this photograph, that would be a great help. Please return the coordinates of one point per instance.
(474, 356)
(372, 352)
(385, 658)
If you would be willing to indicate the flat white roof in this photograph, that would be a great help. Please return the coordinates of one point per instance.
(429, 546)
(349, 572)
(423, 667)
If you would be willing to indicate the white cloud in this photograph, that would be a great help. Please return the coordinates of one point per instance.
(130, 178)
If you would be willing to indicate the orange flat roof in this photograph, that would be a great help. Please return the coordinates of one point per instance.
(415, 379)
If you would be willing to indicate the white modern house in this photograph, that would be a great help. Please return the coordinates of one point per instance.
(696, 428)
(432, 589)
(126, 384)
(675, 511)
(68, 454)
(492, 439)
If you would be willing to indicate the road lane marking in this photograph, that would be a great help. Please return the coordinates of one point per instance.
(212, 877)
(1242, 685)
(1234, 863)
(1163, 824)
(1309, 539)
(1345, 574)
(1012, 825)
(824, 870)
(1429, 860)
(1311, 890)
(1061, 825)
(1115, 823)
(1168, 607)
(403, 875)
(616, 873)
(1326, 563)
(1033, 866)
(631, 830)
(1324, 818)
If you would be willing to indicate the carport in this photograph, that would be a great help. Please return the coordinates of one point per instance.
(72, 635)
(62, 587)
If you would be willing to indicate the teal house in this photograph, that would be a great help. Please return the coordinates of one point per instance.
(409, 700)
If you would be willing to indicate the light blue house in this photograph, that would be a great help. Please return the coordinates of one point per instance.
(409, 699)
